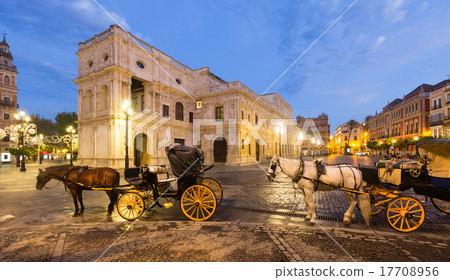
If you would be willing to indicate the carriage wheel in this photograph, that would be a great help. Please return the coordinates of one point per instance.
(405, 214)
(198, 203)
(130, 206)
(215, 187)
(377, 205)
(415, 172)
(441, 205)
(149, 198)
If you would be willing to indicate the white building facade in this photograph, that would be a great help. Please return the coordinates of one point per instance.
(172, 103)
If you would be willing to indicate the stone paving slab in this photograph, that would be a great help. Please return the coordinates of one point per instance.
(217, 241)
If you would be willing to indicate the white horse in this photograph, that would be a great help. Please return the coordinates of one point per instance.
(343, 176)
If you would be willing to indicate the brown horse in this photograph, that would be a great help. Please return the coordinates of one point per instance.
(79, 178)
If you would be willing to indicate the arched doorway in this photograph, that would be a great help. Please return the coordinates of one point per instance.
(140, 149)
(220, 150)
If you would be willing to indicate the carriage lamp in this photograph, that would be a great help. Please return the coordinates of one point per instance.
(22, 118)
(128, 111)
(72, 132)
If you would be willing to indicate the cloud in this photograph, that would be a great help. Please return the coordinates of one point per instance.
(394, 11)
(378, 42)
(91, 13)
(423, 7)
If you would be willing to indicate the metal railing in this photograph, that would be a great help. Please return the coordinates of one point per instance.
(8, 103)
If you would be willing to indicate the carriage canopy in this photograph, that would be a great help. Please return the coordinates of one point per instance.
(438, 150)
(184, 160)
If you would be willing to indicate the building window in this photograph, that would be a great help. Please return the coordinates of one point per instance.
(178, 81)
(355, 137)
(242, 115)
(256, 119)
(90, 63)
(411, 128)
(440, 104)
(105, 57)
(165, 111)
(6, 116)
(242, 144)
(6, 101)
(140, 64)
(219, 113)
(5, 62)
(142, 102)
(434, 103)
(191, 117)
(7, 81)
(417, 127)
(249, 149)
(345, 139)
(179, 111)
(407, 129)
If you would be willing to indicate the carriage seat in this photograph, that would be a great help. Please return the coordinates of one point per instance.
(132, 176)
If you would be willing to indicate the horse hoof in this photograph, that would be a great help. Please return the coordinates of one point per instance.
(307, 219)
(346, 222)
(75, 215)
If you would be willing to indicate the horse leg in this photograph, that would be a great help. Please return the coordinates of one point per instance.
(113, 199)
(75, 202)
(350, 214)
(80, 199)
(309, 201)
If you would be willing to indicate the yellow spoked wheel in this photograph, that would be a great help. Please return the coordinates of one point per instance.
(198, 203)
(415, 172)
(405, 214)
(130, 206)
(376, 201)
(441, 205)
(215, 187)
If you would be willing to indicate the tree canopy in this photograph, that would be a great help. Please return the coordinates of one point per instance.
(64, 120)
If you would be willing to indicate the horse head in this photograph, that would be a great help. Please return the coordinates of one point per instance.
(42, 179)
(274, 168)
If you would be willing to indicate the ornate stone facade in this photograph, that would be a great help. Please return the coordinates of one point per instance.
(8, 86)
(171, 103)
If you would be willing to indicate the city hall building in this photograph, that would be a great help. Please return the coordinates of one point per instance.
(171, 103)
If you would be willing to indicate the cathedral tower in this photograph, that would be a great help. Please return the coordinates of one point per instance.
(8, 86)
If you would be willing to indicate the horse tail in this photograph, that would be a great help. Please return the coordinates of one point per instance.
(364, 204)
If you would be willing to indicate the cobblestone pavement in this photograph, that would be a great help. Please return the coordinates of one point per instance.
(254, 222)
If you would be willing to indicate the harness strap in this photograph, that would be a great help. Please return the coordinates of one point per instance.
(80, 172)
(299, 173)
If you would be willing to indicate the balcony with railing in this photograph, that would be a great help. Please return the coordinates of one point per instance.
(6, 103)
(436, 107)
(436, 120)
(8, 67)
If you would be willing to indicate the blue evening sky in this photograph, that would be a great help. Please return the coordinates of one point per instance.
(378, 51)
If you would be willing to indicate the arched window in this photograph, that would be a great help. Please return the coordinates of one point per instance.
(179, 111)
(5, 62)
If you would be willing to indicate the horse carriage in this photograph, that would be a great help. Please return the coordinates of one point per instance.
(147, 186)
(428, 176)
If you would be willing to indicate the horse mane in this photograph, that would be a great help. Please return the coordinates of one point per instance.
(58, 166)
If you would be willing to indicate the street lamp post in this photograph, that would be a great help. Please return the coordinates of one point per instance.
(39, 148)
(71, 131)
(22, 118)
(127, 110)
